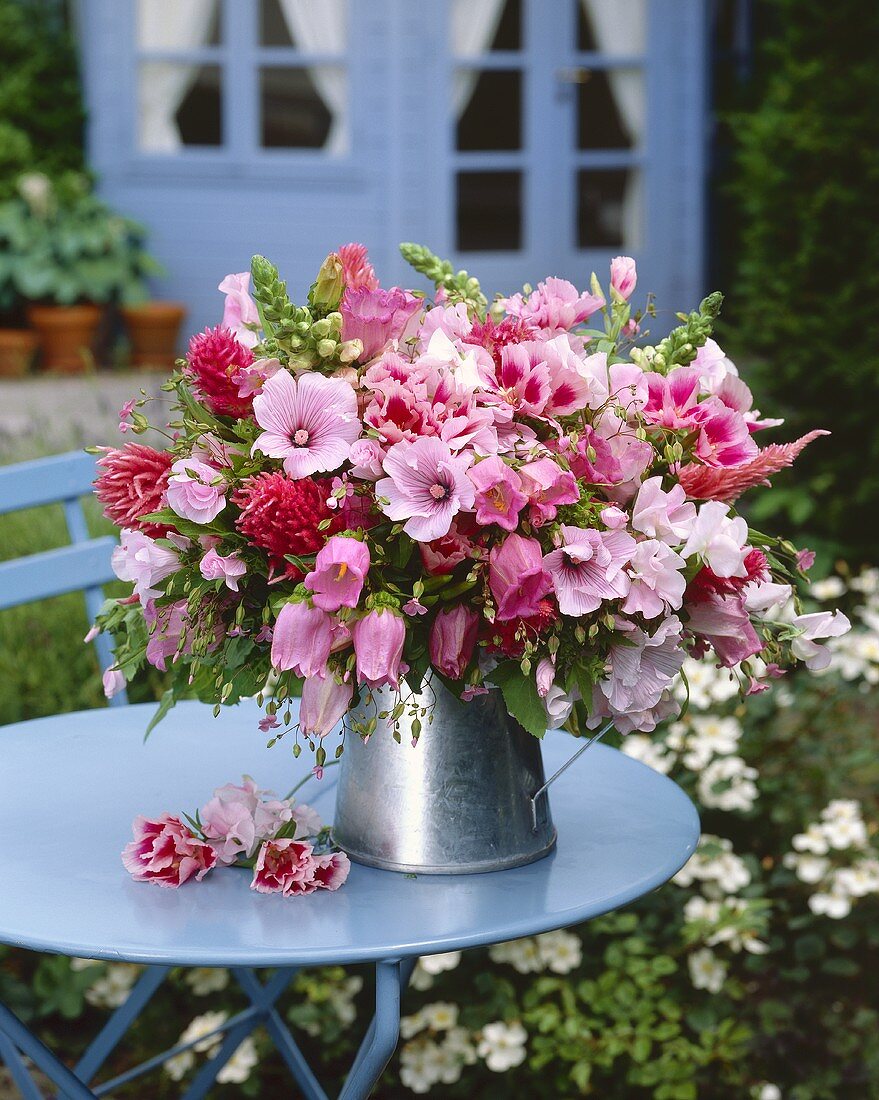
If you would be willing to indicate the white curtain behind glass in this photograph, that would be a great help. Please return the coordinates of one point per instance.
(474, 25)
(620, 27)
(320, 26)
(168, 25)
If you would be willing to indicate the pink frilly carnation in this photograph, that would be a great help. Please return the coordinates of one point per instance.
(325, 702)
(378, 646)
(290, 867)
(339, 571)
(142, 561)
(166, 852)
(442, 555)
(310, 422)
(453, 640)
(357, 271)
(589, 568)
(426, 486)
(132, 484)
(240, 314)
(196, 491)
(228, 569)
(517, 577)
(213, 364)
(499, 496)
(376, 317)
(555, 306)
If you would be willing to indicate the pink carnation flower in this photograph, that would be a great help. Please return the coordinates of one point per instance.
(589, 568)
(426, 486)
(290, 867)
(166, 852)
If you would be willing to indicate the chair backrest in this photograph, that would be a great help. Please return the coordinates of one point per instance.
(84, 565)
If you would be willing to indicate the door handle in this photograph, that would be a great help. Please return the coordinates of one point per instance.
(577, 75)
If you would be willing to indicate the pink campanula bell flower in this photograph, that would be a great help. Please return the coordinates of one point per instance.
(426, 486)
(240, 311)
(453, 639)
(195, 490)
(310, 422)
(499, 496)
(140, 560)
(302, 639)
(378, 647)
(623, 276)
(376, 317)
(166, 852)
(547, 486)
(589, 568)
(113, 682)
(324, 703)
(517, 577)
(216, 567)
(339, 570)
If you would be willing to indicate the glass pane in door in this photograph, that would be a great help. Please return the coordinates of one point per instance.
(489, 206)
(609, 209)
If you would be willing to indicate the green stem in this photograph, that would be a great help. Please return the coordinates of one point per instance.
(305, 779)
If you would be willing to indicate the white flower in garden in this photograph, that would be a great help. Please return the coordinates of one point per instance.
(859, 880)
(730, 873)
(699, 908)
(706, 970)
(833, 905)
(727, 783)
(641, 747)
(812, 840)
(207, 979)
(766, 1091)
(112, 989)
(411, 1025)
(818, 625)
(341, 999)
(421, 1065)
(560, 951)
(428, 966)
(721, 735)
(523, 955)
(503, 1046)
(808, 868)
(238, 1068)
(459, 1041)
(440, 1016)
(178, 1066)
(707, 684)
(867, 582)
(830, 588)
(844, 832)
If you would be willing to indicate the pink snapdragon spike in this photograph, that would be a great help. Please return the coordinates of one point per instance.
(657, 582)
(302, 640)
(166, 852)
(719, 539)
(325, 702)
(589, 568)
(339, 571)
(310, 422)
(623, 276)
(668, 516)
(229, 569)
(453, 640)
(378, 647)
(376, 317)
(141, 561)
(818, 625)
(426, 486)
(517, 577)
(499, 496)
(555, 307)
(357, 271)
(195, 490)
(723, 622)
(240, 310)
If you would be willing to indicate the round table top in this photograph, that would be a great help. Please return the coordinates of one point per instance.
(72, 784)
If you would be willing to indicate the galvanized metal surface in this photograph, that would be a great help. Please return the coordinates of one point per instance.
(457, 802)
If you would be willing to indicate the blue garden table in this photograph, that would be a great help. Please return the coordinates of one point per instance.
(72, 784)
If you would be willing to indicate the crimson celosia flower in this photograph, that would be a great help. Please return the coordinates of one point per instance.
(214, 361)
(281, 515)
(132, 484)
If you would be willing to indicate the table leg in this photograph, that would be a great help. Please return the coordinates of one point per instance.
(68, 1083)
(391, 978)
(15, 1064)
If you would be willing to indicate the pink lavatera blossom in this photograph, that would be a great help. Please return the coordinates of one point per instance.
(499, 497)
(378, 647)
(517, 577)
(325, 701)
(426, 486)
(589, 568)
(339, 571)
(705, 483)
(376, 317)
(166, 852)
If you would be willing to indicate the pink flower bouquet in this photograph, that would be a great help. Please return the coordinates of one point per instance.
(386, 484)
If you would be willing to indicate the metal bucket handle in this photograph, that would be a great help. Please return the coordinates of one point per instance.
(542, 790)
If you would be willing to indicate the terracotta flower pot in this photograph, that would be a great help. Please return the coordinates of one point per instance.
(153, 330)
(66, 334)
(17, 349)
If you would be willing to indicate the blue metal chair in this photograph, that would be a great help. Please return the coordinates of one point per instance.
(83, 566)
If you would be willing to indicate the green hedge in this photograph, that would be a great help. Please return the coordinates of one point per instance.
(805, 299)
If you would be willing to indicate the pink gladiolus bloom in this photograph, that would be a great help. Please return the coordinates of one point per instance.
(339, 570)
(453, 639)
(302, 640)
(166, 852)
(633, 694)
(724, 438)
(666, 516)
(426, 486)
(547, 486)
(623, 276)
(522, 379)
(556, 306)
(357, 271)
(672, 398)
(325, 701)
(499, 496)
(195, 490)
(240, 310)
(820, 624)
(141, 560)
(719, 540)
(589, 568)
(517, 577)
(310, 422)
(284, 867)
(657, 580)
(113, 682)
(376, 317)
(724, 623)
(378, 646)
(215, 567)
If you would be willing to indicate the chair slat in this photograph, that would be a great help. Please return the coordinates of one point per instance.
(46, 481)
(56, 572)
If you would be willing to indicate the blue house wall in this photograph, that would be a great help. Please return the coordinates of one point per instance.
(209, 209)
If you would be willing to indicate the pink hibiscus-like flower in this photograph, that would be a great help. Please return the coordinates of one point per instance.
(216, 567)
(499, 496)
(376, 317)
(140, 560)
(453, 639)
(657, 581)
(310, 422)
(195, 490)
(556, 306)
(517, 577)
(339, 571)
(166, 852)
(426, 486)
(589, 568)
(672, 398)
(378, 646)
(522, 379)
(240, 311)
(325, 701)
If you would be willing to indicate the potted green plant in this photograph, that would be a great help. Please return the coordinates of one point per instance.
(66, 255)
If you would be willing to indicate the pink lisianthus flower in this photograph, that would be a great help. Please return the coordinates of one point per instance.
(499, 496)
(548, 486)
(426, 486)
(215, 567)
(310, 422)
(378, 647)
(719, 539)
(195, 490)
(723, 622)
(325, 701)
(229, 826)
(589, 568)
(339, 571)
(113, 681)
(140, 560)
(240, 311)
(166, 852)
(517, 577)
(357, 271)
(302, 640)
(556, 306)
(657, 581)
(623, 276)
(453, 639)
(376, 317)
(818, 625)
(667, 516)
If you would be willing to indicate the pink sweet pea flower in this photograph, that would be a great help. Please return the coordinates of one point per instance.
(819, 624)
(517, 577)
(657, 580)
(376, 317)
(215, 567)
(666, 516)
(302, 640)
(589, 568)
(141, 560)
(453, 639)
(719, 540)
(310, 422)
(613, 518)
(240, 310)
(339, 570)
(805, 560)
(229, 827)
(623, 276)
(325, 702)
(113, 682)
(556, 306)
(378, 647)
(195, 490)
(548, 486)
(499, 496)
(426, 486)
(166, 852)
(713, 366)
(723, 622)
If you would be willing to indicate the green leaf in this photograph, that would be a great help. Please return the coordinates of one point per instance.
(520, 695)
(167, 702)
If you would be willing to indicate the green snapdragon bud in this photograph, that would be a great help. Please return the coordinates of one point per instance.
(327, 289)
